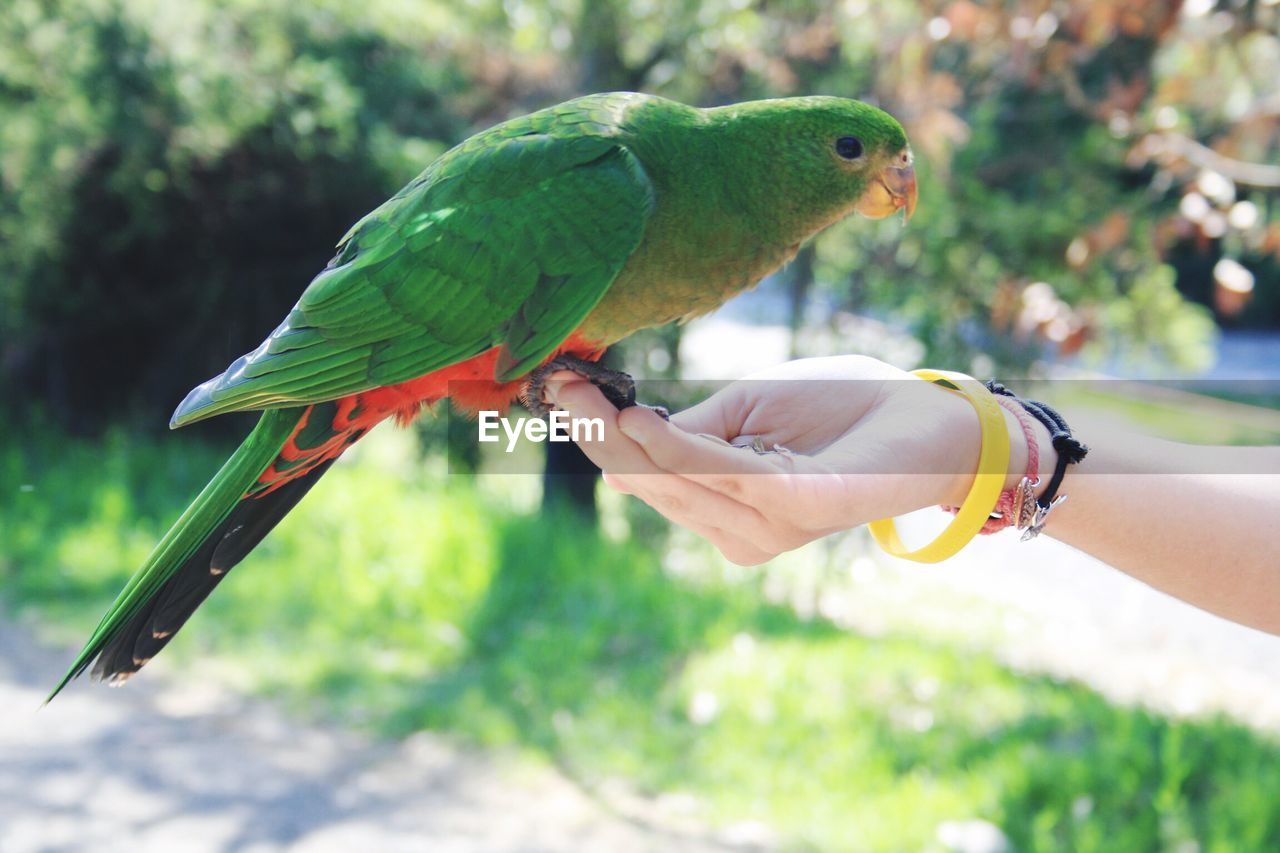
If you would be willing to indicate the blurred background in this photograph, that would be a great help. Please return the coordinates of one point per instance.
(1099, 197)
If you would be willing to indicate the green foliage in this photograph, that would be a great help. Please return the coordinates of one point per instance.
(78, 517)
(396, 598)
(172, 179)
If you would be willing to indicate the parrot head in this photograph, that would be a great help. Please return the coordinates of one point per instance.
(859, 152)
(827, 157)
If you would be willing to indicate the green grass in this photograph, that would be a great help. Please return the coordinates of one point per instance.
(1169, 413)
(396, 598)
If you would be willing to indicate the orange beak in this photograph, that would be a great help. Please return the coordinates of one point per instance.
(901, 182)
(894, 190)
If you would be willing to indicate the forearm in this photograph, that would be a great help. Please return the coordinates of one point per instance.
(1196, 522)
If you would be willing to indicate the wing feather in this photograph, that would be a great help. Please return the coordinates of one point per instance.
(508, 240)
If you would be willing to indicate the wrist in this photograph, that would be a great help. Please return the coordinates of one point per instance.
(967, 441)
(1019, 453)
(960, 462)
(972, 516)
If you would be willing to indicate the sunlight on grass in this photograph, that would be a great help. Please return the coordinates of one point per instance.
(1167, 413)
(396, 598)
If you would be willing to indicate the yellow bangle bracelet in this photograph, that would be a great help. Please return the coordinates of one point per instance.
(993, 466)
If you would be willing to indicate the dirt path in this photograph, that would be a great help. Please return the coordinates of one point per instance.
(161, 767)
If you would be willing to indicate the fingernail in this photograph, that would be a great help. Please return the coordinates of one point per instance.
(553, 392)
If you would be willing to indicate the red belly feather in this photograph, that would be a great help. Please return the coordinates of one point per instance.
(469, 385)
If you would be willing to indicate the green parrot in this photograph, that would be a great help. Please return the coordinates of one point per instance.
(532, 246)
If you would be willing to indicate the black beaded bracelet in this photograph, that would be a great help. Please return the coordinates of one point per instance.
(1070, 452)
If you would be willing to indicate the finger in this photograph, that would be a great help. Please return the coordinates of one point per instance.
(619, 453)
(689, 503)
(682, 499)
(679, 501)
(735, 549)
(739, 474)
(774, 501)
(614, 482)
(556, 381)
(719, 414)
(613, 452)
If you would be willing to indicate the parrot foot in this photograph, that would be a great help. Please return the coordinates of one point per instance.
(618, 387)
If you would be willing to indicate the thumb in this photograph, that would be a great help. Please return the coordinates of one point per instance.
(719, 415)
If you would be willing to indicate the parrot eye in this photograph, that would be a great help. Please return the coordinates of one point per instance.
(849, 147)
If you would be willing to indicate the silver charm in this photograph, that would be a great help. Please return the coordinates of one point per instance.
(1040, 517)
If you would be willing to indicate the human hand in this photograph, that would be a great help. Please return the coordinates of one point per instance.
(865, 441)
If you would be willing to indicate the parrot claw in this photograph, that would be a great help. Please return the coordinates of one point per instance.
(617, 387)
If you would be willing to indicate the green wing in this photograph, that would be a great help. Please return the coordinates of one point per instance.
(508, 240)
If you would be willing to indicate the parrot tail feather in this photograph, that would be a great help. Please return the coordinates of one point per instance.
(282, 458)
(151, 628)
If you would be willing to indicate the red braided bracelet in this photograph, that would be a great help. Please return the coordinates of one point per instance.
(1006, 509)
